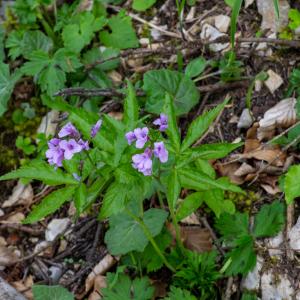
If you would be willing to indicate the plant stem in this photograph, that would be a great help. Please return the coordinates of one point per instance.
(89, 158)
(160, 199)
(151, 239)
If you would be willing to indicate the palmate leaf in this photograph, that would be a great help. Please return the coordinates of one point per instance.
(40, 170)
(125, 234)
(200, 125)
(55, 292)
(126, 289)
(180, 87)
(7, 84)
(270, 220)
(179, 294)
(122, 34)
(50, 204)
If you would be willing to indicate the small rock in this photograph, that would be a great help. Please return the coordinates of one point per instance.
(210, 33)
(274, 81)
(48, 126)
(62, 246)
(275, 242)
(55, 274)
(56, 227)
(246, 119)
(276, 286)
(222, 23)
(294, 236)
(7, 292)
(252, 280)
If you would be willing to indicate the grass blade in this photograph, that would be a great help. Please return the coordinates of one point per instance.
(234, 16)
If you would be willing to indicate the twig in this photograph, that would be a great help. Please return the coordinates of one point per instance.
(220, 86)
(95, 243)
(83, 92)
(228, 291)
(20, 227)
(289, 224)
(213, 235)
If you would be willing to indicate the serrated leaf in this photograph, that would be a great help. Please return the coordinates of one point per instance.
(232, 227)
(125, 234)
(125, 289)
(291, 184)
(173, 189)
(195, 67)
(181, 88)
(39, 170)
(50, 204)
(142, 5)
(270, 220)
(80, 198)
(200, 125)
(242, 257)
(7, 84)
(122, 35)
(179, 294)
(189, 205)
(55, 292)
(199, 181)
(79, 34)
(131, 107)
(14, 43)
(38, 60)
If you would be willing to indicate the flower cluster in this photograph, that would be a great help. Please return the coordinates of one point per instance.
(60, 149)
(143, 162)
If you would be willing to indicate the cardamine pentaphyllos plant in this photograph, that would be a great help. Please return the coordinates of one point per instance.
(124, 163)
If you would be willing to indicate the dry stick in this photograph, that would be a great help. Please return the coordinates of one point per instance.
(17, 226)
(83, 92)
(289, 224)
(228, 291)
(213, 235)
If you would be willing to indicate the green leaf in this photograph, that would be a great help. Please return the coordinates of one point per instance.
(35, 40)
(181, 88)
(248, 296)
(199, 181)
(125, 289)
(114, 200)
(131, 108)
(174, 189)
(14, 42)
(179, 294)
(25, 145)
(242, 258)
(40, 170)
(122, 34)
(79, 34)
(50, 204)
(232, 227)
(230, 3)
(7, 84)
(80, 198)
(270, 220)
(195, 67)
(200, 125)
(55, 292)
(172, 130)
(189, 205)
(291, 186)
(126, 234)
(294, 16)
(142, 5)
(214, 199)
(276, 7)
(234, 18)
(38, 60)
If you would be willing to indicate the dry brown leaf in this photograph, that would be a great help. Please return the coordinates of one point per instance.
(24, 285)
(196, 238)
(243, 170)
(270, 190)
(192, 219)
(160, 289)
(22, 194)
(251, 144)
(94, 296)
(6, 256)
(102, 267)
(16, 218)
(229, 170)
(283, 114)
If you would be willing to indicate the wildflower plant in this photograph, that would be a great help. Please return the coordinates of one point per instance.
(123, 164)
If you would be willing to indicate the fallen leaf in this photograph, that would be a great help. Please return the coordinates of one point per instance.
(192, 219)
(7, 256)
(243, 170)
(22, 194)
(229, 170)
(196, 238)
(283, 114)
(251, 145)
(273, 82)
(24, 285)
(56, 227)
(16, 218)
(270, 190)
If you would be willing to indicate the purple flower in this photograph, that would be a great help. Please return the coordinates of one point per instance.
(55, 154)
(84, 144)
(130, 136)
(141, 137)
(142, 162)
(96, 128)
(69, 130)
(160, 152)
(162, 122)
(70, 147)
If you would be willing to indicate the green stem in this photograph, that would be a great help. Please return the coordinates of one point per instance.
(89, 158)
(160, 199)
(151, 239)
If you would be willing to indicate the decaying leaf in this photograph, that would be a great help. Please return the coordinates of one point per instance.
(244, 169)
(283, 114)
(24, 285)
(196, 238)
(6, 256)
(16, 218)
(229, 171)
(22, 194)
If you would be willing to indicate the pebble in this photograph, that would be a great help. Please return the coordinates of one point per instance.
(55, 228)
